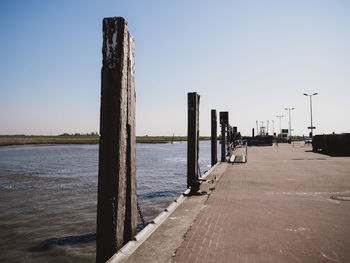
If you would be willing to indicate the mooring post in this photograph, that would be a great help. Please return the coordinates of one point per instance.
(228, 139)
(131, 197)
(234, 136)
(193, 141)
(116, 206)
(214, 139)
(223, 123)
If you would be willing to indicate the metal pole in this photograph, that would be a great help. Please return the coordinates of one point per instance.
(280, 116)
(280, 125)
(290, 125)
(311, 127)
(267, 128)
(311, 116)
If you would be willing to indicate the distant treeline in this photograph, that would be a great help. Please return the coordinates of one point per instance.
(80, 134)
(78, 138)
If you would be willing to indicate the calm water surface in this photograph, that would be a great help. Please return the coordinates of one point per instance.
(48, 196)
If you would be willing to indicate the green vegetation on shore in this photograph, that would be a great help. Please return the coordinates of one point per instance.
(7, 140)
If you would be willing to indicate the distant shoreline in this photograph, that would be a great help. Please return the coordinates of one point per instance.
(11, 140)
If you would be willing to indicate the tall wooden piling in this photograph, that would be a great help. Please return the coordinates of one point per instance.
(214, 139)
(116, 207)
(224, 124)
(131, 197)
(193, 141)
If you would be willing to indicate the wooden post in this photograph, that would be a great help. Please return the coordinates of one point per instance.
(231, 144)
(116, 207)
(224, 124)
(193, 142)
(234, 136)
(227, 139)
(130, 224)
(223, 143)
(214, 139)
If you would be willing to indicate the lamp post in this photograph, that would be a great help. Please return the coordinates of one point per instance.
(311, 127)
(273, 127)
(280, 116)
(267, 127)
(290, 123)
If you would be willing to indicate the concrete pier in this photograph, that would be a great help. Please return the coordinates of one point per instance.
(286, 204)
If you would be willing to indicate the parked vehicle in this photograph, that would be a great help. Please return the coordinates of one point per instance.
(308, 140)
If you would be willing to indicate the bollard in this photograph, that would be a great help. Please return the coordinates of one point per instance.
(214, 139)
(116, 205)
(193, 141)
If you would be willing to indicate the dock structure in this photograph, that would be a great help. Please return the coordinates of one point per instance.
(287, 204)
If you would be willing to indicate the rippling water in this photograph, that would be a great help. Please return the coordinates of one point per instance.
(48, 196)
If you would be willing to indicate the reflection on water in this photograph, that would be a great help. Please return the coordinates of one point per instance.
(48, 196)
(63, 241)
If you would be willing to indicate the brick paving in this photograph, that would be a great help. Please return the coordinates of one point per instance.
(275, 208)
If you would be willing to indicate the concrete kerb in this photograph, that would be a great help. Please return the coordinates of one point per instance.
(129, 248)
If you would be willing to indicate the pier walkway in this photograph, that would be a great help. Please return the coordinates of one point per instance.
(286, 204)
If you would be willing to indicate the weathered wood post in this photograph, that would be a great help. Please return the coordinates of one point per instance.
(234, 136)
(214, 138)
(223, 123)
(229, 139)
(193, 141)
(116, 207)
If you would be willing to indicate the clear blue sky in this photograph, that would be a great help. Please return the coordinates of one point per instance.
(251, 58)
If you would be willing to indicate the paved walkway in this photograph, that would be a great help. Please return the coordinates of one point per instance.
(275, 208)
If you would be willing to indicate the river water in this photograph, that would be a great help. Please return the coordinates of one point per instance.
(48, 196)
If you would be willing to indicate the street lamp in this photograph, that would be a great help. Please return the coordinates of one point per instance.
(311, 127)
(267, 128)
(280, 116)
(290, 123)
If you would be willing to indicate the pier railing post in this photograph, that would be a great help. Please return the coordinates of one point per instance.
(214, 139)
(116, 206)
(193, 141)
